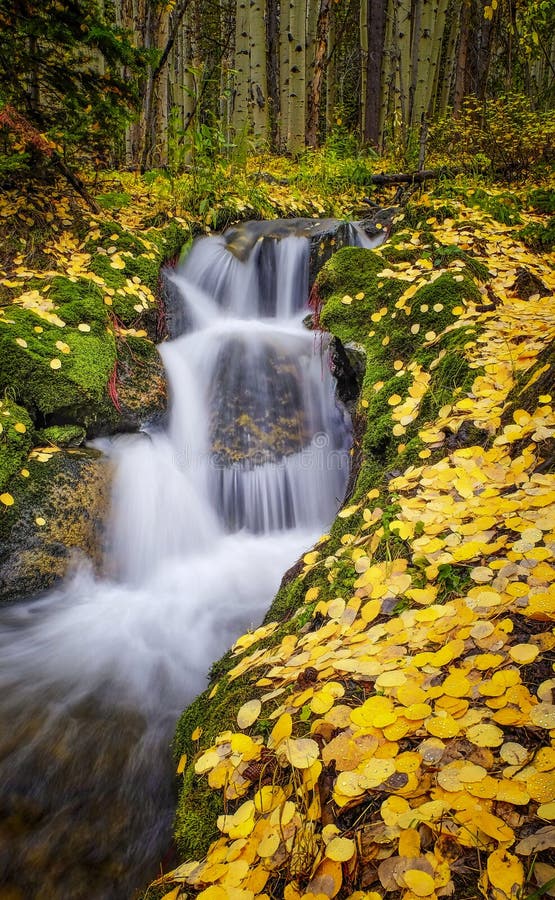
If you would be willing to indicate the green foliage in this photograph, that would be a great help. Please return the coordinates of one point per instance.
(61, 71)
(505, 133)
(539, 237)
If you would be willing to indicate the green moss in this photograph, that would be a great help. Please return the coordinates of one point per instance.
(62, 435)
(113, 200)
(77, 389)
(539, 237)
(14, 445)
(100, 265)
(78, 301)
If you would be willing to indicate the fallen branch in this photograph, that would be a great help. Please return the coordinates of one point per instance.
(412, 177)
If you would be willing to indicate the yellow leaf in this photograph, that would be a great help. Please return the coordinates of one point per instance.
(282, 729)
(420, 883)
(505, 873)
(40, 521)
(523, 654)
(196, 733)
(181, 764)
(340, 849)
(55, 363)
(249, 713)
(301, 752)
(7, 499)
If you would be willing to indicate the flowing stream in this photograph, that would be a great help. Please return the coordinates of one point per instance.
(207, 515)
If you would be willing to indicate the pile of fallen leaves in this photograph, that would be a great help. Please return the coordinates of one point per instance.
(402, 742)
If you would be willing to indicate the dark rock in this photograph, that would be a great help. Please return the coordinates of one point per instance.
(70, 492)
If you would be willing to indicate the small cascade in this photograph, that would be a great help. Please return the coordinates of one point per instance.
(208, 513)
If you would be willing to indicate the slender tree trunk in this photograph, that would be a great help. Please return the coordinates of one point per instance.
(331, 70)
(377, 10)
(315, 87)
(447, 79)
(257, 81)
(312, 13)
(462, 55)
(297, 79)
(284, 71)
(439, 21)
(242, 68)
(363, 41)
(272, 67)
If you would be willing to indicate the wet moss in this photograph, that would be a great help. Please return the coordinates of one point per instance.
(76, 389)
(62, 435)
(15, 442)
(78, 302)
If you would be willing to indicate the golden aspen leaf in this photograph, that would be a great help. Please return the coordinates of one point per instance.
(505, 873)
(348, 511)
(196, 733)
(181, 764)
(25, 473)
(542, 715)
(327, 879)
(541, 787)
(420, 883)
(340, 849)
(321, 702)
(21, 342)
(301, 752)
(546, 811)
(269, 844)
(359, 296)
(20, 427)
(172, 895)
(282, 729)
(249, 712)
(409, 843)
(394, 400)
(61, 345)
(40, 521)
(485, 735)
(207, 761)
(513, 754)
(83, 327)
(523, 654)
(55, 363)
(7, 499)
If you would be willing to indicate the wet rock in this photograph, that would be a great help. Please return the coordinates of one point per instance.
(59, 513)
(527, 284)
(260, 415)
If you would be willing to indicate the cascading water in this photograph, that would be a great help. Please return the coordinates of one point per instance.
(207, 515)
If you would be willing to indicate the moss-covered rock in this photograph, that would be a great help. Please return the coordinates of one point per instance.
(61, 501)
(16, 438)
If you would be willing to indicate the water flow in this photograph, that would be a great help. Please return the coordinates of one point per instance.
(207, 515)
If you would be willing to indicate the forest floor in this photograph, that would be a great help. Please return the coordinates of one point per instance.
(391, 726)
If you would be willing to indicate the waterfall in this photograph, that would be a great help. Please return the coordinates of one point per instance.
(207, 515)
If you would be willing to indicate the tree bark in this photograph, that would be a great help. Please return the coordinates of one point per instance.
(377, 10)
(462, 54)
(297, 78)
(315, 87)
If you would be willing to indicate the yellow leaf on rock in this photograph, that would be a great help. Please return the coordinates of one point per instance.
(248, 713)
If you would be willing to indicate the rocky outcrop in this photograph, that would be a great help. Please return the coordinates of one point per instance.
(59, 511)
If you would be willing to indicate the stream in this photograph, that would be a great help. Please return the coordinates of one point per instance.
(208, 512)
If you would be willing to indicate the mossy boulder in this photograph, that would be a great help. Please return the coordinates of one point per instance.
(61, 502)
(58, 356)
(16, 438)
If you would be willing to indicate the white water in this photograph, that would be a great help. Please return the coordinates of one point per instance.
(93, 676)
